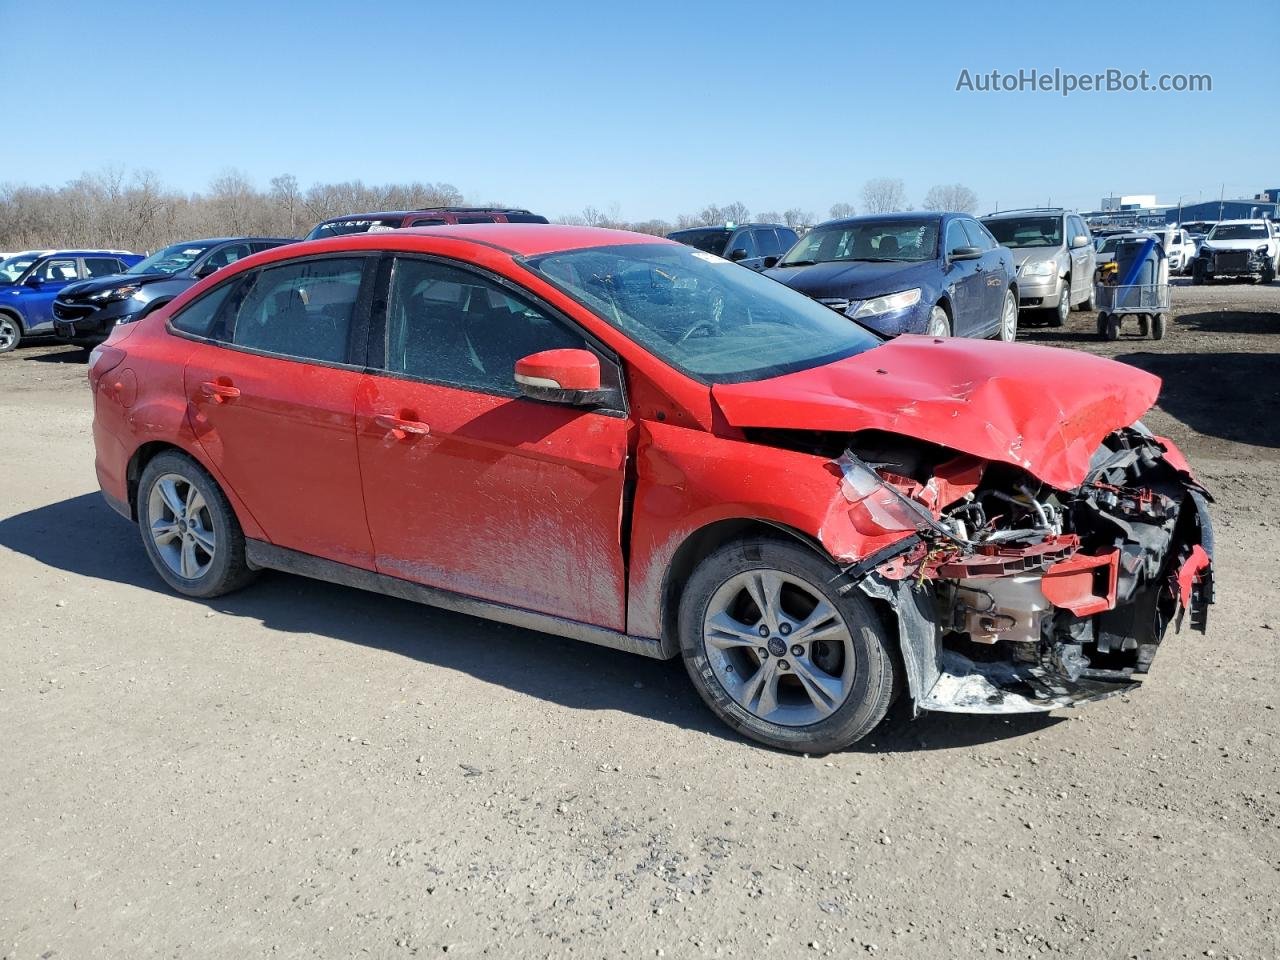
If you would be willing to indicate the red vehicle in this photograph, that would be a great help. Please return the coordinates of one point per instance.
(622, 439)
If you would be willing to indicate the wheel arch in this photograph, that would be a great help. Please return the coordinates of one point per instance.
(700, 544)
(145, 453)
(16, 314)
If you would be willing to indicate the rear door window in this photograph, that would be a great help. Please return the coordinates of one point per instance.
(101, 266)
(305, 309)
(767, 242)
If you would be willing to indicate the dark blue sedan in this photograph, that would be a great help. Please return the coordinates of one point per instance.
(940, 274)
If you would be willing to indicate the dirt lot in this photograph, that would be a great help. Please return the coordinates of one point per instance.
(303, 770)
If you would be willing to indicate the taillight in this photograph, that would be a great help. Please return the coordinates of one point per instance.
(102, 360)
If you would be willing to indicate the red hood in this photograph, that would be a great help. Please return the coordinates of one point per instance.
(1041, 408)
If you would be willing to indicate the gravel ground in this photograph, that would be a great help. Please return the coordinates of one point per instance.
(304, 770)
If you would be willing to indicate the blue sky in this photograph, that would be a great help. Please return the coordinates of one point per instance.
(657, 107)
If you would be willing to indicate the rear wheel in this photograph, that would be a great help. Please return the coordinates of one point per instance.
(939, 322)
(1158, 326)
(188, 528)
(778, 653)
(10, 332)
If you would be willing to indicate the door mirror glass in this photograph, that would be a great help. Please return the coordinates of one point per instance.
(560, 376)
(966, 253)
(770, 262)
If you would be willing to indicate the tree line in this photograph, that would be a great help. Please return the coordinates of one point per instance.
(134, 210)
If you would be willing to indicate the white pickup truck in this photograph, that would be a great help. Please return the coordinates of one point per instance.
(1238, 248)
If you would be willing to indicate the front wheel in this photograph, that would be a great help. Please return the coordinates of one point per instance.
(1059, 315)
(939, 322)
(10, 333)
(778, 654)
(188, 528)
(1009, 318)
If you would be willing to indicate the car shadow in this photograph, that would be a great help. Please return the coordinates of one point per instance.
(1232, 321)
(83, 536)
(1232, 396)
(49, 353)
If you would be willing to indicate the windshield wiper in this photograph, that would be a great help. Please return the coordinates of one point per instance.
(798, 263)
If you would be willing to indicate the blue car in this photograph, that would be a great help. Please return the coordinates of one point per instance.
(30, 281)
(940, 274)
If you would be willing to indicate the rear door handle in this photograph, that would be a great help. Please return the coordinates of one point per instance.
(219, 392)
(398, 429)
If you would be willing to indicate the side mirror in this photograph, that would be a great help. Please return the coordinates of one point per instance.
(206, 269)
(1079, 240)
(770, 262)
(569, 376)
(31, 281)
(737, 253)
(965, 253)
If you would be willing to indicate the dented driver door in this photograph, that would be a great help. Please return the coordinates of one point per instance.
(470, 487)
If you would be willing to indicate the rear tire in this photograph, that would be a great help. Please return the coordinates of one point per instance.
(1158, 326)
(189, 530)
(808, 692)
(1112, 331)
(1008, 332)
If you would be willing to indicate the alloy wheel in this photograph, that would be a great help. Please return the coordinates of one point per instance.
(1064, 302)
(779, 647)
(8, 334)
(181, 526)
(1009, 318)
(939, 325)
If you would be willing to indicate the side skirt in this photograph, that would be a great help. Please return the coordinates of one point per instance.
(261, 555)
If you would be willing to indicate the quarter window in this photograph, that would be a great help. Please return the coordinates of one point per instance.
(197, 318)
(303, 309)
(457, 327)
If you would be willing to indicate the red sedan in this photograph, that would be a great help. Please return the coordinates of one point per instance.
(624, 440)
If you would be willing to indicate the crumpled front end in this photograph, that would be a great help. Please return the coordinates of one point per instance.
(1013, 595)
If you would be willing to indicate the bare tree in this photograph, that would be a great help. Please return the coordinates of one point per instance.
(288, 197)
(951, 197)
(884, 195)
(839, 211)
(798, 219)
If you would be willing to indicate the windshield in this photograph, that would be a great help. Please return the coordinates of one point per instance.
(171, 260)
(705, 316)
(14, 267)
(711, 240)
(340, 228)
(879, 241)
(1239, 231)
(1026, 231)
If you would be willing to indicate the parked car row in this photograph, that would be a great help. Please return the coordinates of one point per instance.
(30, 282)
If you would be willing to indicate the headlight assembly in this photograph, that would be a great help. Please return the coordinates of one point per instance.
(1039, 268)
(116, 293)
(886, 304)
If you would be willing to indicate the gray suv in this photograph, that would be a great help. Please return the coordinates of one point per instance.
(1055, 258)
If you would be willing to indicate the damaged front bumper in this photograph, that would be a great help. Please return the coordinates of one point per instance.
(1012, 596)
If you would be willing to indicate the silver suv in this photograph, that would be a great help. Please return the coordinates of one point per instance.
(1054, 254)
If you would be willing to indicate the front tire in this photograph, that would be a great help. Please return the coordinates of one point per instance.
(188, 528)
(939, 322)
(778, 654)
(10, 332)
(1059, 316)
(1009, 318)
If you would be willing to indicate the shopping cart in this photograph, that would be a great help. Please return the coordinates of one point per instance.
(1149, 302)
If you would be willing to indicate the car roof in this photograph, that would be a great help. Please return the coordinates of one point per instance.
(1229, 223)
(1026, 212)
(515, 239)
(909, 216)
(383, 214)
(82, 252)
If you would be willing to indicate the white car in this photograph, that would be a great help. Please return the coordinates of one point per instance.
(1238, 248)
(1180, 249)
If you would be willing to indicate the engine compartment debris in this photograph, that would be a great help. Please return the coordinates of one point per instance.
(1036, 597)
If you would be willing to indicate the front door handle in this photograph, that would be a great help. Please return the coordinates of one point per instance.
(219, 392)
(398, 429)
